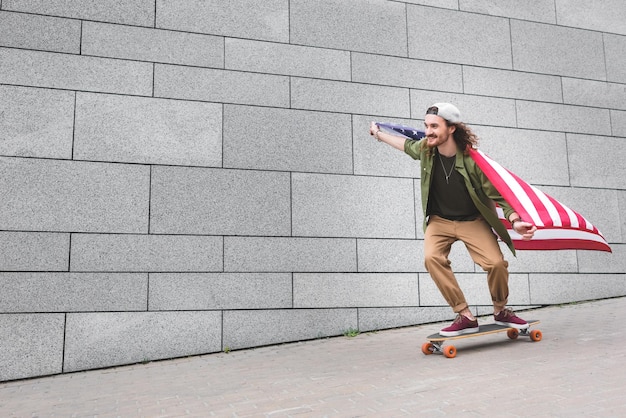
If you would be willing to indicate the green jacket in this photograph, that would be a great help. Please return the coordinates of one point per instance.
(480, 189)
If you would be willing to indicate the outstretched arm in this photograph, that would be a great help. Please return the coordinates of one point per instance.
(393, 140)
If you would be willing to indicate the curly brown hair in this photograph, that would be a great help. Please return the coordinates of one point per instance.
(464, 137)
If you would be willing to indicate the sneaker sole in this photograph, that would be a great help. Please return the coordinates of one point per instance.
(512, 325)
(457, 333)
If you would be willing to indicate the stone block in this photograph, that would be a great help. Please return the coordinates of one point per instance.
(531, 52)
(542, 261)
(131, 12)
(372, 319)
(200, 201)
(537, 11)
(34, 251)
(404, 72)
(256, 19)
(36, 122)
(511, 84)
(618, 123)
(474, 109)
(287, 140)
(343, 97)
(373, 158)
(585, 14)
(614, 47)
(213, 291)
(72, 292)
(594, 93)
(337, 24)
(549, 165)
(404, 256)
(349, 206)
(465, 44)
(147, 130)
(552, 289)
(75, 72)
(254, 328)
(213, 85)
(31, 345)
(565, 118)
(390, 255)
(95, 340)
(145, 253)
(45, 33)
(154, 45)
(340, 290)
(283, 254)
(590, 163)
(595, 262)
(59, 196)
(286, 59)
(476, 291)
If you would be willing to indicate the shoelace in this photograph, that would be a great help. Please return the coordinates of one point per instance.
(507, 313)
(459, 319)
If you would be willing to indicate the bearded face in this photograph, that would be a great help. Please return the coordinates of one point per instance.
(437, 131)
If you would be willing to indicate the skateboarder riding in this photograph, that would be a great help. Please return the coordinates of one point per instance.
(458, 204)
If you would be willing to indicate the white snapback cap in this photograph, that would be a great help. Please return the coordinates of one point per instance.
(446, 110)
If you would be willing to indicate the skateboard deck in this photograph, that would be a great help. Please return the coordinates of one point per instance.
(435, 341)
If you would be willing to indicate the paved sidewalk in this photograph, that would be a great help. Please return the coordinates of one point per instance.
(579, 369)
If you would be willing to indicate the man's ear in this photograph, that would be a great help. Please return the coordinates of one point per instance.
(451, 129)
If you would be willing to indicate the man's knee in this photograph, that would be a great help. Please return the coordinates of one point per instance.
(435, 260)
(497, 266)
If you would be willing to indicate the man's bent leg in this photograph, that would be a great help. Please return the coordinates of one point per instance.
(483, 247)
(438, 240)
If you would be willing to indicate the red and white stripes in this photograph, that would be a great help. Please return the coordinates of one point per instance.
(558, 227)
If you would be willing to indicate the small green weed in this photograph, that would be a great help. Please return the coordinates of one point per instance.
(351, 332)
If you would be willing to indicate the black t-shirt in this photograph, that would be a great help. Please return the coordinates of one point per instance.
(448, 197)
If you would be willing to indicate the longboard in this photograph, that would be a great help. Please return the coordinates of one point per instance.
(435, 341)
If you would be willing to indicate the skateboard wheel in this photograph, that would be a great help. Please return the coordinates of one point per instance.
(536, 335)
(427, 348)
(449, 351)
(512, 333)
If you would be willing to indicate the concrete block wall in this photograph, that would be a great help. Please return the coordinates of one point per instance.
(188, 177)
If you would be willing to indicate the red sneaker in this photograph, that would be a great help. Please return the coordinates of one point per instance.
(507, 318)
(461, 325)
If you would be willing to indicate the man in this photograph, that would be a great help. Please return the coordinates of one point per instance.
(458, 204)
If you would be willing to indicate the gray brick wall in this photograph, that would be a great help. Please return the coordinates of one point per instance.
(188, 177)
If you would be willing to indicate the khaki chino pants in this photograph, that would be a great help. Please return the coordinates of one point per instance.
(482, 244)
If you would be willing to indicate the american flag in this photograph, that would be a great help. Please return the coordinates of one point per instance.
(558, 227)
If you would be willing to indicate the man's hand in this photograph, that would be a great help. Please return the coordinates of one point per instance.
(525, 229)
(373, 128)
